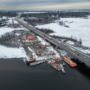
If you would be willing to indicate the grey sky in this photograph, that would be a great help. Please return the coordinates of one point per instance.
(43, 4)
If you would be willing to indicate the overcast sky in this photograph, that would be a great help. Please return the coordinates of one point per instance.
(43, 4)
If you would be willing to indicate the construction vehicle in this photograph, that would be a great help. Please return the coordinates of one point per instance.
(31, 56)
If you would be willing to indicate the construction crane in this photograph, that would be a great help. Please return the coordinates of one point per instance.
(44, 35)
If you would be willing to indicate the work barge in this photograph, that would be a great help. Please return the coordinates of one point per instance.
(39, 51)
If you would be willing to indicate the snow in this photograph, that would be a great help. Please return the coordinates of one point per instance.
(12, 20)
(4, 17)
(87, 51)
(89, 17)
(15, 22)
(70, 42)
(78, 28)
(52, 49)
(64, 53)
(84, 51)
(18, 34)
(11, 52)
(6, 52)
(3, 30)
(42, 41)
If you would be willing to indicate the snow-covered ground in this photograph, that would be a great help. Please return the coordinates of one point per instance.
(3, 30)
(11, 52)
(78, 28)
(6, 52)
(42, 41)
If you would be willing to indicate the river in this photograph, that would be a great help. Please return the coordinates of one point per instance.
(15, 75)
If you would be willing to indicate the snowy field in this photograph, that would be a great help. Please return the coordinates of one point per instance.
(3, 30)
(78, 28)
(6, 52)
(11, 52)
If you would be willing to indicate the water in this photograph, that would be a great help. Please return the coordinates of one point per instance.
(15, 75)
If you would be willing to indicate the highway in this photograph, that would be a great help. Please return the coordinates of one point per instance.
(82, 57)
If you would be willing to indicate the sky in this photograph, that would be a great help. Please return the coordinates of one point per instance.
(43, 4)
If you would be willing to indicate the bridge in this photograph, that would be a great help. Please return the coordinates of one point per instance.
(82, 57)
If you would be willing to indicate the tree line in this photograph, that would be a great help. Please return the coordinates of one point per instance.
(9, 40)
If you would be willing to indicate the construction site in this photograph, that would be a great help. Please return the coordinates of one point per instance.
(38, 51)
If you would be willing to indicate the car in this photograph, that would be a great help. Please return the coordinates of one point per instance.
(50, 38)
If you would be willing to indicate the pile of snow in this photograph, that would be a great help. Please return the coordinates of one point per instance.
(70, 42)
(11, 21)
(79, 28)
(18, 34)
(15, 22)
(11, 52)
(4, 17)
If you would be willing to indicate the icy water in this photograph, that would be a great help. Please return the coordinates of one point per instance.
(15, 75)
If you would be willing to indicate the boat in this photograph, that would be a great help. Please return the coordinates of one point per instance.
(63, 71)
(37, 62)
(58, 69)
(62, 68)
(56, 66)
(33, 64)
